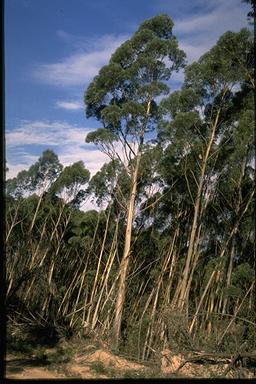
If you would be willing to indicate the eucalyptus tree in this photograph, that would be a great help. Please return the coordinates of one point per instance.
(110, 185)
(198, 113)
(68, 188)
(40, 177)
(23, 212)
(71, 184)
(38, 250)
(230, 212)
(123, 97)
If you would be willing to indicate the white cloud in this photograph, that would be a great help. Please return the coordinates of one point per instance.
(80, 67)
(221, 19)
(176, 81)
(194, 51)
(93, 159)
(44, 133)
(14, 169)
(199, 32)
(63, 35)
(196, 34)
(68, 142)
(89, 205)
(69, 105)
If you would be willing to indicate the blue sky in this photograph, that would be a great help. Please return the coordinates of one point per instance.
(53, 49)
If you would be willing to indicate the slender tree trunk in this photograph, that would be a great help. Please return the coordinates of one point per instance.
(126, 256)
(36, 212)
(128, 235)
(229, 274)
(216, 273)
(186, 279)
(94, 288)
(172, 257)
(232, 251)
(13, 223)
(235, 314)
(201, 301)
(68, 292)
(104, 278)
(150, 331)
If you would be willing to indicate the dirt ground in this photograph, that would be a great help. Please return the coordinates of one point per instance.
(100, 364)
(92, 363)
(25, 368)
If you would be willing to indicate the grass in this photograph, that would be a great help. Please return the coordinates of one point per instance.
(20, 347)
(98, 367)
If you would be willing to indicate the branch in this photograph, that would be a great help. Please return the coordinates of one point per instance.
(212, 357)
(233, 318)
(159, 198)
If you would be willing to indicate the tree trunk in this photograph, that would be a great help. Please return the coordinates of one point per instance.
(126, 256)
(232, 251)
(186, 279)
(128, 235)
(94, 288)
(35, 214)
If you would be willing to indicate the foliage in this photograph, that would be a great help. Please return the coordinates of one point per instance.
(194, 185)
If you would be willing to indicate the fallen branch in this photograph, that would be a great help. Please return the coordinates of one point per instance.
(232, 364)
(216, 358)
(203, 358)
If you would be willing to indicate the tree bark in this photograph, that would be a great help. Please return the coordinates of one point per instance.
(126, 256)
(128, 235)
(186, 279)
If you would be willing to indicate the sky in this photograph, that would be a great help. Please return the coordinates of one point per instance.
(54, 48)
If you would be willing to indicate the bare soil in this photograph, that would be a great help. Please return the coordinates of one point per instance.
(99, 363)
(26, 368)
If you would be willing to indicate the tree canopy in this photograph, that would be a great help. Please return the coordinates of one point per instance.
(166, 259)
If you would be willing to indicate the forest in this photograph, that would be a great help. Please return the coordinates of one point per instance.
(167, 259)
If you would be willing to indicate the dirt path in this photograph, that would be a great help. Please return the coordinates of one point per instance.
(97, 365)
(102, 364)
(25, 368)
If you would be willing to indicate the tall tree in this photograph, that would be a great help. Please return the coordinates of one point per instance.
(198, 112)
(123, 97)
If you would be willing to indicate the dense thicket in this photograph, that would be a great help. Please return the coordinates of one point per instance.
(168, 258)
